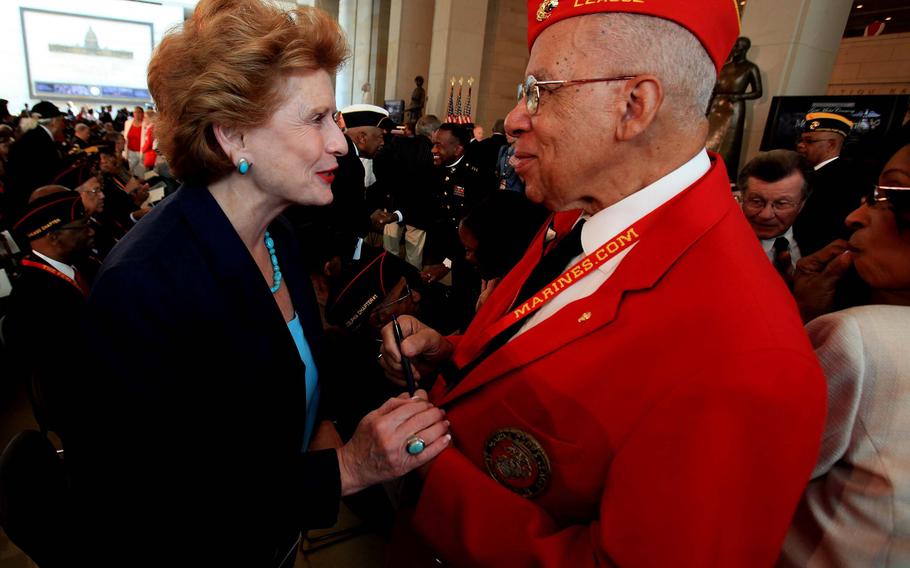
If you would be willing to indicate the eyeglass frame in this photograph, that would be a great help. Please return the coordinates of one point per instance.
(877, 196)
(532, 85)
(774, 205)
(83, 227)
(388, 305)
(810, 141)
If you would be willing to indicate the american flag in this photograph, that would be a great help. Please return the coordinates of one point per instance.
(450, 112)
(467, 108)
(459, 117)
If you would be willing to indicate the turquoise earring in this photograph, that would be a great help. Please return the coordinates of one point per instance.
(243, 166)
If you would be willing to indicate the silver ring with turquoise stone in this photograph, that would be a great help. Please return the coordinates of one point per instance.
(415, 444)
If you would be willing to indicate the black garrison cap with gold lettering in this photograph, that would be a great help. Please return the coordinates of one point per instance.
(827, 122)
(49, 213)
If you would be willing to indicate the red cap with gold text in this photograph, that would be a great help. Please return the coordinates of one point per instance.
(714, 22)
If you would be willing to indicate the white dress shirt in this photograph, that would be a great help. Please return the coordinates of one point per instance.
(606, 223)
(767, 245)
(825, 163)
(66, 269)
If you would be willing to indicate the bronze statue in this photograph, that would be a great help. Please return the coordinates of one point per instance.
(418, 99)
(727, 111)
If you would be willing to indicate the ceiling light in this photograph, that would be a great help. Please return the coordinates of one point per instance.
(858, 6)
(888, 19)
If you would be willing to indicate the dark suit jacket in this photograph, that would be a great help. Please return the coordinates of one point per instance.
(44, 312)
(406, 168)
(34, 161)
(487, 156)
(836, 191)
(348, 215)
(188, 444)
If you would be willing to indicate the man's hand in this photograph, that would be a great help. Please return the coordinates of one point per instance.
(425, 347)
(816, 276)
(378, 452)
(434, 272)
(138, 190)
(380, 218)
(140, 213)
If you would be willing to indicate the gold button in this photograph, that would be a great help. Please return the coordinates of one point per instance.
(584, 317)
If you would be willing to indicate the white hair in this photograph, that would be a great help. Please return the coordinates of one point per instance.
(646, 44)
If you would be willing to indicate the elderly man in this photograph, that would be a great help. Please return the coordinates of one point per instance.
(836, 187)
(48, 295)
(413, 175)
(350, 215)
(35, 159)
(774, 188)
(82, 136)
(643, 394)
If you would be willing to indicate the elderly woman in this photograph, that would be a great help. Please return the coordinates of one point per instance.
(197, 442)
(856, 509)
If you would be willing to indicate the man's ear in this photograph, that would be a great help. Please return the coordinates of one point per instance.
(643, 96)
(231, 142)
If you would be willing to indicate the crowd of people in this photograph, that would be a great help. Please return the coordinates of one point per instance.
(617, 361)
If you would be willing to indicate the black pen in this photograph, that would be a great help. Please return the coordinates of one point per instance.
(405, 362)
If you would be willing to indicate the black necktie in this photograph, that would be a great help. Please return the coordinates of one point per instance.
(550, 266)
(782, 260)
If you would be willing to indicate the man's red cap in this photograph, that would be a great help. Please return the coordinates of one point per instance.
(714, 22)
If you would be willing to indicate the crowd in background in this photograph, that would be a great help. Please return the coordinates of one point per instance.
(427, 218)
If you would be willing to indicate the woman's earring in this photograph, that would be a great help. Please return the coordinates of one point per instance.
(244, 166)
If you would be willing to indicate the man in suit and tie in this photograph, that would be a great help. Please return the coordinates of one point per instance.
(412, 179)
(487, 153)
(35, 159)
(638, 390)
(836, 187)
(774, 188)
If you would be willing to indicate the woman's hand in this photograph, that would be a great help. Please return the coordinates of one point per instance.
(486, 288)
(423, 345)
(377, 451)
(325, 437)
(816, 276)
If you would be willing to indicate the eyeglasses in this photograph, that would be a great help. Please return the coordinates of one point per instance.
(387, 305)
(80, 227)
(530, 88)
(754, 203)
(810, 141)
(899, 197)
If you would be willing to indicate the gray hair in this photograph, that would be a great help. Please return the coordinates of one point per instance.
(773, 166)
(427, 125)
(646, 44)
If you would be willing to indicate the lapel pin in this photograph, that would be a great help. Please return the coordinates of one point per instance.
(547, 6)
(584, 317)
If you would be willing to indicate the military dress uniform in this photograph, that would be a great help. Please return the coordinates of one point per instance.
(632, 427)
(662, 407)
(461, 188)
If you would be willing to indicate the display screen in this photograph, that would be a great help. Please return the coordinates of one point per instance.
(81, 57)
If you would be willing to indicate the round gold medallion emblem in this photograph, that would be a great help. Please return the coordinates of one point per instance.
(517, 461)
(547, 6)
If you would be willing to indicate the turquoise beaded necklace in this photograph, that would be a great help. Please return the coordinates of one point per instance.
(276, 270)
